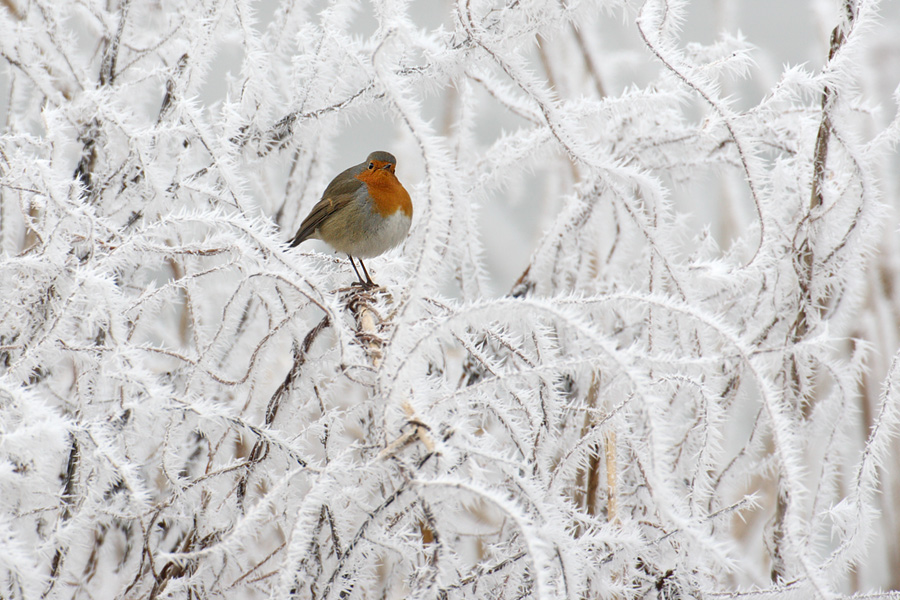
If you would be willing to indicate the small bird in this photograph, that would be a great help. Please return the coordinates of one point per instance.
(365, 211)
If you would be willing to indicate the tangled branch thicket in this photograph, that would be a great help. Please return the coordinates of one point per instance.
(690, 391)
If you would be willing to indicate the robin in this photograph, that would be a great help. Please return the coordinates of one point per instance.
(365, 211)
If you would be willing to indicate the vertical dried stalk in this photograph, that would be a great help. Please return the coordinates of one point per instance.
(612, 504)
(805, 266)
(359, 303)
(68, 499)
(592, 485)
(593, 469)
(369, 327)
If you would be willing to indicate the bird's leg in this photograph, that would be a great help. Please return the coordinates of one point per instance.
(355, 270)
(368, 283)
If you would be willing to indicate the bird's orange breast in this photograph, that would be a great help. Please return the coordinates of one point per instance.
(387, 193)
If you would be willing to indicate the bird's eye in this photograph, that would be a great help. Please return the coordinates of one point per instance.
(371, 166)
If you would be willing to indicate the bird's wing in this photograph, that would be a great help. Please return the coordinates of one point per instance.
(345, 183)
(340, 192)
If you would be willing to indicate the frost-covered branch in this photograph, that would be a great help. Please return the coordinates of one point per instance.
(641, 341)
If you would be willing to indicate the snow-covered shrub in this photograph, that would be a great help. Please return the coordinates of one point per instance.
(640, 343)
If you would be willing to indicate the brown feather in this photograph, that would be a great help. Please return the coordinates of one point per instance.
(338, 194)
